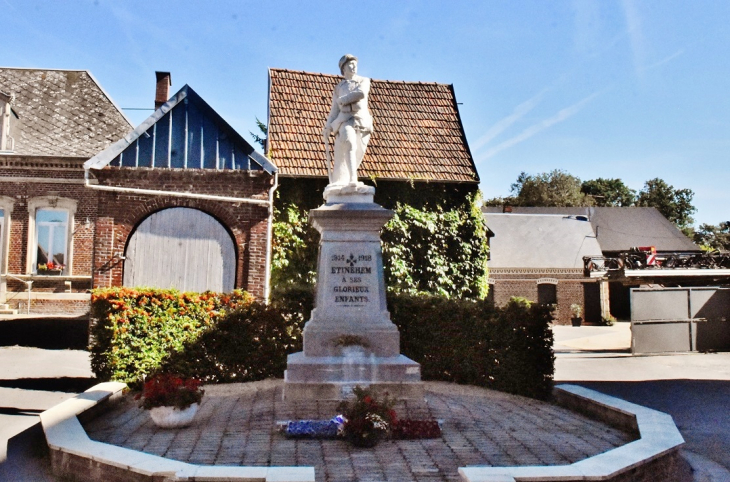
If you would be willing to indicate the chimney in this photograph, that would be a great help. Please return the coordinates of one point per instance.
(162, 90)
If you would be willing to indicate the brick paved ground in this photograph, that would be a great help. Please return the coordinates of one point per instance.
(236, 426)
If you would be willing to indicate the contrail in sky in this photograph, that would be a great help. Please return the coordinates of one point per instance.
(562, 115)
(504, 123)
(664, 61)
(633, 22)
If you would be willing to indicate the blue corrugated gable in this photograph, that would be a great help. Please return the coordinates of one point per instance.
(184, 133)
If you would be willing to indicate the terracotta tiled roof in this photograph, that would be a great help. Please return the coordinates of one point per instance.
(418, 133)
(61, 112)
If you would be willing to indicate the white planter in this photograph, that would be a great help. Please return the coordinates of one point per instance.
(172, 417)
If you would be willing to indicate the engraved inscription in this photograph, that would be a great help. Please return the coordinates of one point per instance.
(354, 273)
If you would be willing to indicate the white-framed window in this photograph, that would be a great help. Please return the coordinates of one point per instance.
(51, 239)
(547, 293)
(6, 207)
(7, 142)
(50, 235)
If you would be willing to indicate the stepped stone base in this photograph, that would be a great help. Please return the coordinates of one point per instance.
(349, 339)
(334, 377)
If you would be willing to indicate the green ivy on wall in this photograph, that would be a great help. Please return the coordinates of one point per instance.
(441, 252)
(435, 243)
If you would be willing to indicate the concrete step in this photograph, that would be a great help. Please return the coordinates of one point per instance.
(6, 310)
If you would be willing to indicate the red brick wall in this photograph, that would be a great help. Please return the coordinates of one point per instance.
(113, 216)
(66, 307)
(30, 174)
(569, 290)
(120, 213)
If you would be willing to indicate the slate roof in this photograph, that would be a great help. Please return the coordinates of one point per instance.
(417, 129)
(539, 241)
(185, 133)
(620, 228)
(61, 112)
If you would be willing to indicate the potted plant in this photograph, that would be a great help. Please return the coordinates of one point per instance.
(576, 310)
(172, 401)
(365, 418)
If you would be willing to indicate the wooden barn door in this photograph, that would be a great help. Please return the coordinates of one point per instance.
(181, 248)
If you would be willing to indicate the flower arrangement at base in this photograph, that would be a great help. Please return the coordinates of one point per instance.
(366, 419)
(409, 429)
(172, 401)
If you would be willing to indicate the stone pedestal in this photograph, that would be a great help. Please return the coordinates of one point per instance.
(350, 339)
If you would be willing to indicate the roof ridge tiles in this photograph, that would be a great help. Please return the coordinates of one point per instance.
(322, 74)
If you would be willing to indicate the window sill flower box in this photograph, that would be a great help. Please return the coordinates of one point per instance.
(50, 269)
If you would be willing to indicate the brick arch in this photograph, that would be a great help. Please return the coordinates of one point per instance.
(222, 215)
(120, 214)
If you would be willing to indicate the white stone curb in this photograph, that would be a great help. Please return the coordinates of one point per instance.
(658, 436)
(64, 433)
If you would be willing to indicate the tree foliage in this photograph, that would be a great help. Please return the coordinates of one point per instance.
(609, 192)
(713, 237)
(439, 251)
(559, 189)
(294, 247)
(554, 188)
(674, 204)
(260, 139)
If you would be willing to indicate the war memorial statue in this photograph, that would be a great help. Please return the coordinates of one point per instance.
(351, 123)
(349, 339)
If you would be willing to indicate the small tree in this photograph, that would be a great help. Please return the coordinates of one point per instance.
(674, 204)
(261, 139)
(609, 192)
(548, 189)
(709, 236)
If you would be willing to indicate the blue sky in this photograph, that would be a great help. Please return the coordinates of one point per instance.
(599, 88)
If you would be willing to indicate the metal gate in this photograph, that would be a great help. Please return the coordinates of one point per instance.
(181, 248)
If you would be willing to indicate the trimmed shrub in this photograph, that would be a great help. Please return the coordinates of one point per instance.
(248, 344)
(134, 329)
(238, 340)
(473, 342)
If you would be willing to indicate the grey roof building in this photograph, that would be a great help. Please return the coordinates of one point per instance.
(59, 113)
(540, 241)
(617, 228)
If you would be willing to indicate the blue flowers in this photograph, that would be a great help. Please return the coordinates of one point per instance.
(314, 428)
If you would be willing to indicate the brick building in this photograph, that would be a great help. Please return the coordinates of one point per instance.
(540, 257)
(181, 201)
(51, 122)
(184, 202)
(537, 253)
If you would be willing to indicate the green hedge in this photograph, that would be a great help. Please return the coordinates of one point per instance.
(473, 342)
(236, 340)
(134, 329)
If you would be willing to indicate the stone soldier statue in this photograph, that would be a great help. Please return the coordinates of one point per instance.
(350, 121)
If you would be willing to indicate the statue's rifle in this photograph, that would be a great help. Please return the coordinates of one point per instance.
(329, 158)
